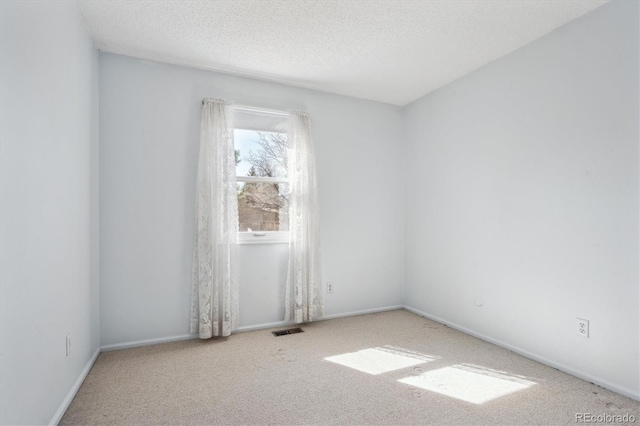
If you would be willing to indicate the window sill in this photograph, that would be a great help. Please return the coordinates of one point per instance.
(263, 238)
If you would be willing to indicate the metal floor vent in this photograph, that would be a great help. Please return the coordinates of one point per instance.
(288, 331)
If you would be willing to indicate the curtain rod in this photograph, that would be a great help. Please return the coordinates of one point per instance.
(248, 108)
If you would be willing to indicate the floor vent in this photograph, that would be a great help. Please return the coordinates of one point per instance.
(289, 331)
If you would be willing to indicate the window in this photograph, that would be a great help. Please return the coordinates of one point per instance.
(261, 148)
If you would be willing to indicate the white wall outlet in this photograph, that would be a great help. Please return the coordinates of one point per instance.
(583, 327)
(68, 344)
(329, 287)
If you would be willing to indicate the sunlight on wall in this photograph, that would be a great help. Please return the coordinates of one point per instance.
(381, 359)
(469, 382)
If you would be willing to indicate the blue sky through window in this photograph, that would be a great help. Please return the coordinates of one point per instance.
(244, 140)
(250, 143)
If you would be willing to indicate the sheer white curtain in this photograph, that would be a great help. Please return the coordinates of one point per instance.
(214, 297)
(303, 300)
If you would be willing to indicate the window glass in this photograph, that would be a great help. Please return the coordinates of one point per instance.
(261, 174)
(263, 206)
(261, 154)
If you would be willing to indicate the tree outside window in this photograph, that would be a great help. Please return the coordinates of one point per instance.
(262, 173)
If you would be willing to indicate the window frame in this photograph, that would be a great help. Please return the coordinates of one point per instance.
(261, 237)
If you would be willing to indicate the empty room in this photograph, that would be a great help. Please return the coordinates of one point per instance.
(286, 212)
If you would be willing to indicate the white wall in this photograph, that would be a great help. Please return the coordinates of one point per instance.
(149, 138)
(48, 216)
(522, 190)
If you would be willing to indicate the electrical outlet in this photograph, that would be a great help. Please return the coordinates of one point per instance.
(583, 327)
(329, 287)
(68, 344)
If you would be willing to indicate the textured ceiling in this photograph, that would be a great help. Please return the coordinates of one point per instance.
(392, 51)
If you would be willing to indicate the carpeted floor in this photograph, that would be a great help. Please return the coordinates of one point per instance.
(386, 368)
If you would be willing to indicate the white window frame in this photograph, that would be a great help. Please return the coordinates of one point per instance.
(261, 237)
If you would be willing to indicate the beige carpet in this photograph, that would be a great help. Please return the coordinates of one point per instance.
(448, 378)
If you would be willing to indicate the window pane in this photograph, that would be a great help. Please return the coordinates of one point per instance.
(263, 206)
(262, 154)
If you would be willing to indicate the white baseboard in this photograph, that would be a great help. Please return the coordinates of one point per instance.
(326, 317)
(74, 389)
(364, 312)
(580, 374)
(147, 342)
(263, 326)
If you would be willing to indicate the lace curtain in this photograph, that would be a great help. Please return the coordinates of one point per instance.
(303, 295)
(214, 301)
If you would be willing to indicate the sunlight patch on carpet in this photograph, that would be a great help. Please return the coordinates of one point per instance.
(469, 383)
(381, 359)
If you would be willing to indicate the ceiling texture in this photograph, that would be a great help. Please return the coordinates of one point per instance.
(391, 51)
